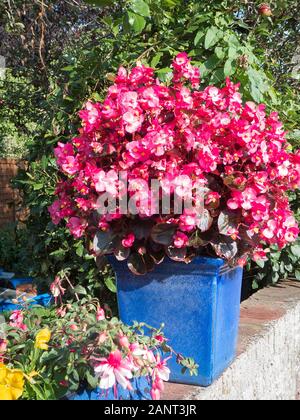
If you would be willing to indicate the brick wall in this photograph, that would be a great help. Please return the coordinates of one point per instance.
(268, 362)
(9, 198)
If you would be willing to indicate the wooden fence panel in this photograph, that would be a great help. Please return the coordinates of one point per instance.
(9, 197)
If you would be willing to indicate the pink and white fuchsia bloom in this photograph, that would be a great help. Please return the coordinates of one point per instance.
(117, 369)
(114, 370)
(182, 137)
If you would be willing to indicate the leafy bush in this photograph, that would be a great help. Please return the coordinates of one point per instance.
(223, 37)
(18, 116)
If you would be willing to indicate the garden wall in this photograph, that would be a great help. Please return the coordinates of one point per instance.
(10, 200)
(268, 362)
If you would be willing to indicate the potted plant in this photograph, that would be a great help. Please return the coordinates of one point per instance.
(78, 352)
(164, 174)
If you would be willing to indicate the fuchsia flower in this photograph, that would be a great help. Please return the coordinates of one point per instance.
(57, 290)
(123, 341)
(100, 315)
(3, 346)
(160, 374)
(113, 370)
(16, 320)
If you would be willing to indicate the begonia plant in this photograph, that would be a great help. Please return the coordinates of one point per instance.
(172, 169)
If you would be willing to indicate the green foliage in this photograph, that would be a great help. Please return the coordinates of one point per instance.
(18, 122)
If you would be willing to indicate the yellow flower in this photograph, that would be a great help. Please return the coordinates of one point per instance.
(11, 383)
(43, 337)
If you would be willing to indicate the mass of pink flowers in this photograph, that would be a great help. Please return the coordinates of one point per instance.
(182, 136)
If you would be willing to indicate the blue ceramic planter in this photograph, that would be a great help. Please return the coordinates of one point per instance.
(199, 304)
(141, 391)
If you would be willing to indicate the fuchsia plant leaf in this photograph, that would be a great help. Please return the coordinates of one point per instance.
(167, 166)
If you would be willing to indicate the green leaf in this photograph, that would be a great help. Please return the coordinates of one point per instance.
(261, 263)
(156, 59)
(297, 274)
(229, 68)
(198, 38)
(110, 283)
(100, 2)
(296, 250)
(213, 35)
(170, 3)
(141, 8)
(137, 22)
(80, 290)
(163, 233)
(92, 381)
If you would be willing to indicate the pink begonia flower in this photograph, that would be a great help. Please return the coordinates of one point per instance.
(165, 132)
(70, 165)
(133, 121)
(188, 221)
(214, 94)
(181, 60)
(180, 240)
(129, 240)
(113, 370)
(183, 186)
(149, 98)
(260, 254)
(107, 182)
(91, 116)
(137, 151)
(129, 100)
(54, 211)
(16, 320)
(77, 226)
(213, 199)
(270, 231)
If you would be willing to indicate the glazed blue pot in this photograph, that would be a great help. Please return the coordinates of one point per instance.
(199, 303)
(141, 391)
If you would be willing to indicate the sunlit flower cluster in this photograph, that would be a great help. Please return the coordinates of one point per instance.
(185, 138)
